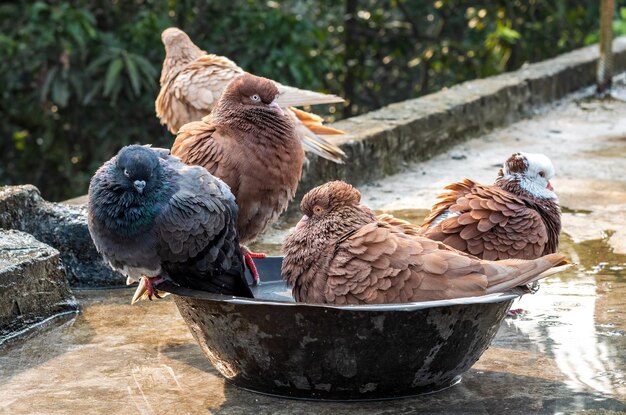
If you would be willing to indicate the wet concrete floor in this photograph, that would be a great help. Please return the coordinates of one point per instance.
(565, 354)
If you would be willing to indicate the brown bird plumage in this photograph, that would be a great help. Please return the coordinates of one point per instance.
(340, 253)
(517, 217)
(252, 146)
(192, 82)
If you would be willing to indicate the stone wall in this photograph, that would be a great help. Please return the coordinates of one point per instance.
(62, 226)
(33, 286)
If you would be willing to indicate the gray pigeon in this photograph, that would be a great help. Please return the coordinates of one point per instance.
(156, 219)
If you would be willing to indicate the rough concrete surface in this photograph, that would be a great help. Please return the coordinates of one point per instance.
(33, 286)
(565, 355)
(62, 226)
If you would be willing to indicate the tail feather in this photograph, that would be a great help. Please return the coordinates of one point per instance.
(315, 123)
(501, 278)
(311, 141)
(290, 96)
(323, 129)
(319, 146)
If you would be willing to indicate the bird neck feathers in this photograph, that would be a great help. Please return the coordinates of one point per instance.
(123, 211)
(548, 208)
(258, 125)
(522, 186)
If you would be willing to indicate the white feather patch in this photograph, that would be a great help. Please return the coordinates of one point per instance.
(445, 215)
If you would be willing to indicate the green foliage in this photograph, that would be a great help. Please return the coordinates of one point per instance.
(619, 28)
(78, 78)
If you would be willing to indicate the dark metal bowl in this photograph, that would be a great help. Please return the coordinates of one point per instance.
(275, 346)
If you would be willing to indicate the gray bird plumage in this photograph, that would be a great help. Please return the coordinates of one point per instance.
(151, 215)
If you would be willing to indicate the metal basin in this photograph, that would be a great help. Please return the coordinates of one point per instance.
(272, 345)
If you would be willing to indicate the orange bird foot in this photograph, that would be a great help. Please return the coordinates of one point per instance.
(248, 259)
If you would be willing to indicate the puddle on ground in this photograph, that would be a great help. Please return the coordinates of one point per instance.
(564, 354)
(578, 212)
(615, 148)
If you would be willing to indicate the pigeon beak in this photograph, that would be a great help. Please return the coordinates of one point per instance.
(276, 108)
(549, 187)
(139, 185)
(302, 222)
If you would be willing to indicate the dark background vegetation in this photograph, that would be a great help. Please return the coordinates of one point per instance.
(78, 79)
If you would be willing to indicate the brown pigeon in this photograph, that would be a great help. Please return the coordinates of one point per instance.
(517, 217)
(340, 253)
(248, 142)
(192, 81)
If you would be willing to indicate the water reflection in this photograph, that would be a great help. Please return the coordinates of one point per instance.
(578, 318)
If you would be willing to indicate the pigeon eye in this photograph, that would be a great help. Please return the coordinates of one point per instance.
(317, 210)
(542, 174)
(126, 173)
(255, 98)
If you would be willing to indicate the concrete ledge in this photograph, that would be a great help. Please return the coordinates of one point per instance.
(62, 226)
(381, 142)
(33, 286)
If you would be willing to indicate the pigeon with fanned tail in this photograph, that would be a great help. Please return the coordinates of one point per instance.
(156, 219)
(516, 217)
(192, 82)
(341, 253)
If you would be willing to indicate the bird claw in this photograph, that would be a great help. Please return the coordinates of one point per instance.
(155, 294)
(147, 289)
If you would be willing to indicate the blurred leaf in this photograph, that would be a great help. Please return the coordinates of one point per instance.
(75, 30)
(45, 88)
(112, 75)
(146, 67)
(133, 75)
(60, 92)
(95, 89)
(95, 64)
